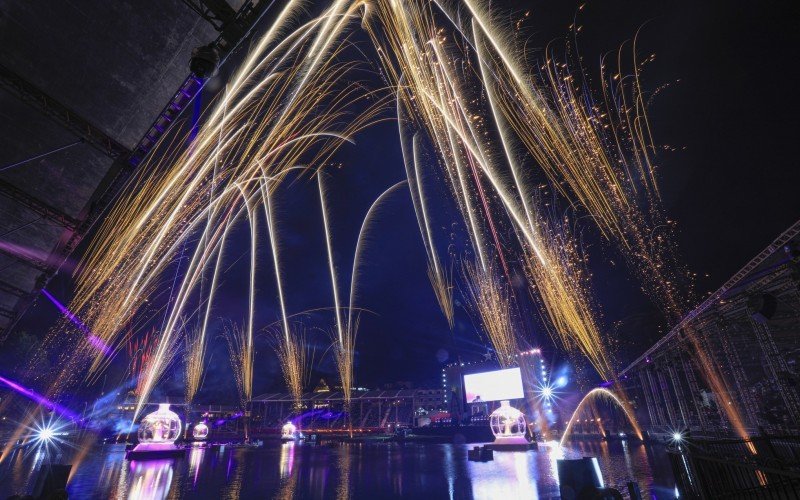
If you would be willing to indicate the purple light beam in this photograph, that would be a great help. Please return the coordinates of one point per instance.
(96, 342)
(34, 396)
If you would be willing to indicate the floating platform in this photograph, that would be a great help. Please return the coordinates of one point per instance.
(154, 451)
(512, 443)
(512, 446)
(451, 434)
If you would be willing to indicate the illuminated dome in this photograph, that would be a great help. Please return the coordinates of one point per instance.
(200, 431)
(161, 426)
(507, 421)
(288, 430)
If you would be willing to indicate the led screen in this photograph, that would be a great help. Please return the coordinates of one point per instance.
(493, 386)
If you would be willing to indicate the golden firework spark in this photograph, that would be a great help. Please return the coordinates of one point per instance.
(460, 87)
(490, 298)
(296, 359)
(237, 339)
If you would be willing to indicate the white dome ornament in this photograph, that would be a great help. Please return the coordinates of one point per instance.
(157, 434)
(161, 426)
(508, 425)
(289, 432)
(200, 432)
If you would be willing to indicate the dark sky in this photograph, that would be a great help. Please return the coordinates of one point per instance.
(732, 184)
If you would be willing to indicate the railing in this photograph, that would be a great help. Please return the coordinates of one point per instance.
(760, 467)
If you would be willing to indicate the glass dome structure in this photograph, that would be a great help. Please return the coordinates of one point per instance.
(161, 426)
(507, 421)
(288, 430)
(200, 431)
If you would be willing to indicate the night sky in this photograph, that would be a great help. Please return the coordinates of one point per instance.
(729, 113)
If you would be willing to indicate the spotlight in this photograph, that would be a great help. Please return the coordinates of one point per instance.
(45, 434)
(547, 392)
(677, 437)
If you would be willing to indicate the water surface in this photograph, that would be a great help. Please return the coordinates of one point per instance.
(368, 470)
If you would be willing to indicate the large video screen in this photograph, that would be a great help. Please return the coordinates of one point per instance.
(493, 386)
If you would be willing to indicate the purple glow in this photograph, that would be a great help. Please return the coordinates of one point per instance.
(38, 398)
(233, 417)
(29, 253)
(607, 383)
(96, 342)
(331, 415)
(299, 418)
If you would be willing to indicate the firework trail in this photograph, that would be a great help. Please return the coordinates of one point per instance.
(345, 333)
(237, 339)
(440, 278)
(363, 235)
(343, 341)
(194, 351)
(490, 298)
(459, 87)
(331, 263)
(296, 358)
(432, 94)
(286, 106)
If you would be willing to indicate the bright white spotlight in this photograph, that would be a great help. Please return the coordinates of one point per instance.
(45, 434)
(561, 381)
(49, 433)
(547, 392)
(677, 437)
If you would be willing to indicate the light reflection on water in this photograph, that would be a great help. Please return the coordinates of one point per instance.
(293, 470)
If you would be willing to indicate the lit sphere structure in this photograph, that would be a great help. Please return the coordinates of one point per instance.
(161, 426)
(288, 430)
(507, 422)
(200, 431)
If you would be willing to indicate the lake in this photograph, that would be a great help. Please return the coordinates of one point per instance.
(335, 471)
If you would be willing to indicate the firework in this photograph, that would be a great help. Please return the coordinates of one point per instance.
(296, 359)
(460, 92)
(491, 300)
(285, 107)
(237, 339)
(194, 362)
(440, 278)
